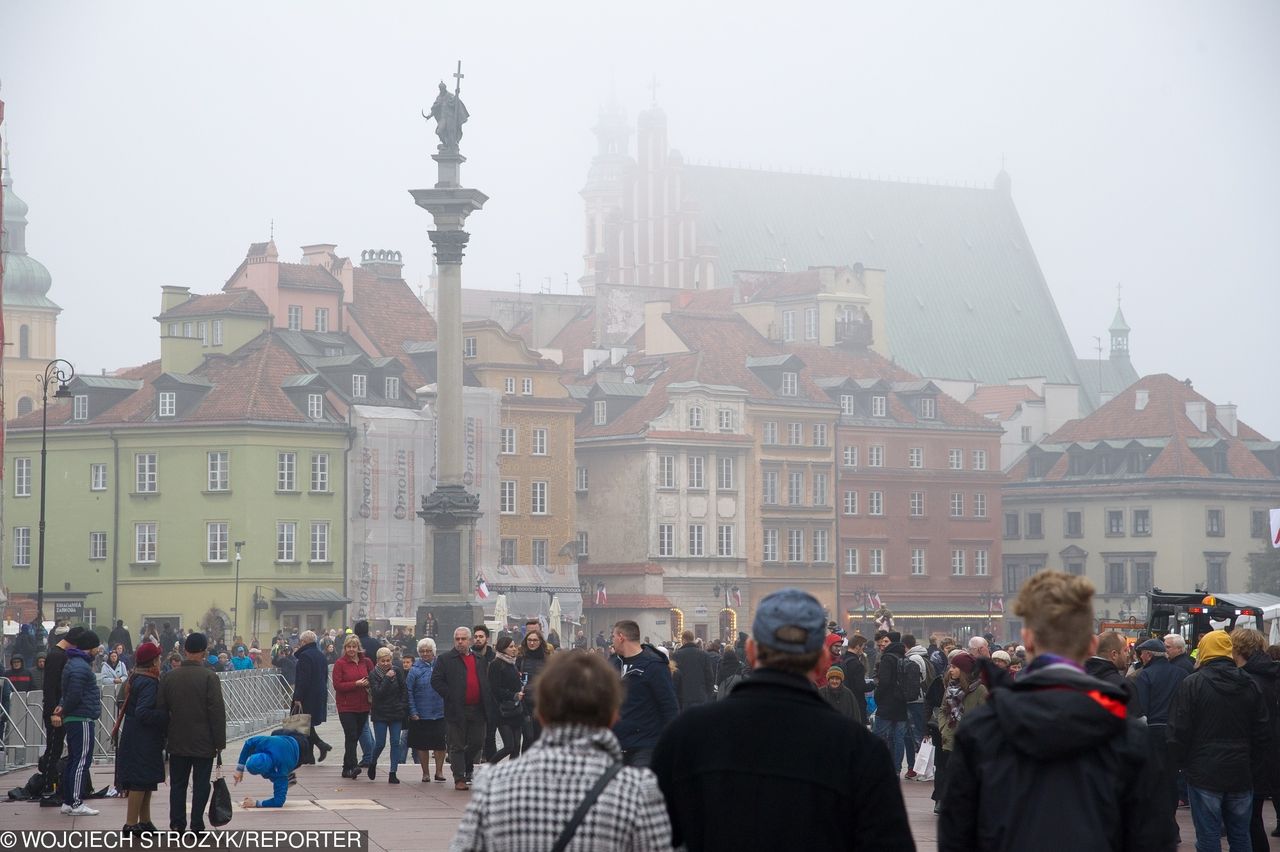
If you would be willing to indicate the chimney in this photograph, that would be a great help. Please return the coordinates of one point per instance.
(1227, 417)
(172, 295)
(1197, 413)
(1104, 397)
(1140, 399)
(320, 254)
(384, 263)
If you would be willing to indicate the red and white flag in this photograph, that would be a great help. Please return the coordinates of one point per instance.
(482, 588)
(1275, 527)
(874, 600)
(602, 595)
(737, 596)
(997, 604)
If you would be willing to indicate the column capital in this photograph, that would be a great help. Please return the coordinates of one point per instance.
(449, 245)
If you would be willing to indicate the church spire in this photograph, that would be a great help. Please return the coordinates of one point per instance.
(1119, 332)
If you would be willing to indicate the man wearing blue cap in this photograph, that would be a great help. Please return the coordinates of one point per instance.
(773, 763)
(1156, 684)
(273, 757)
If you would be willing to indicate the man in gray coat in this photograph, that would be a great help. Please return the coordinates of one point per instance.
(192, 695)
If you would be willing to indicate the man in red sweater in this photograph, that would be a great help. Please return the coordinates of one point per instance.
(457, 679)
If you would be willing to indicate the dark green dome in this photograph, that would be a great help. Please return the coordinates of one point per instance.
(26, 280)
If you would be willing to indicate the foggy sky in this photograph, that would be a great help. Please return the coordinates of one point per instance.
(154, 141)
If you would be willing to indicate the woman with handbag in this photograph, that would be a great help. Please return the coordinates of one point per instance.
(140, 731)
(531, 657)
(389, 705)
(426, 711)
(351, 694)
(541, 800)
(505, 687)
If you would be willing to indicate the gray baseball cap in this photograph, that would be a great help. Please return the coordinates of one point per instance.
(790, 608)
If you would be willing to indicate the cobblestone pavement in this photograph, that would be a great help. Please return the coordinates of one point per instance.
(408, 816)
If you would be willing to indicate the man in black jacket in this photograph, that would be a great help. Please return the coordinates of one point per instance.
(1155, 686)
(772, 765)
(1059, 737)
(483, 649)
(891, 708)
(311, 687)
(55, 737)
(648, 694)
(1219, 735)
(457, 679)
(120, 636)
(1109, 662)
(694, 665)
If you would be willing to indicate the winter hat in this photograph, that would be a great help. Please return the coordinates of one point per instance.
(61, 630)
(73, 634)
(1216, 643)
(196, 643)
(836, 673)
(146, 652)
(790, 608)
(963, 661)
(258, 764)
(87, 641)
(1153, 645)
(1003, 656)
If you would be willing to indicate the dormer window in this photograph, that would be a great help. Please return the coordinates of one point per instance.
(790, 382)
(928, 408)
(295, 317)
(392, 387)
(80, 407)
(695, 417)
(726, 419)
(315, 406)
(468, 347)
(168, 403)
(359, 381)
(601, 412)
(333, 351)
(810, 323)
(526, 386)
(879, 405)
(846, 403)
(173, 329)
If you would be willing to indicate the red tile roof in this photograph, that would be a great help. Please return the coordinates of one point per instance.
(707, 301)
(782, 285)
(578, 334)
(1000, 401)
(244, 302)
(390, 315)
(307, 276)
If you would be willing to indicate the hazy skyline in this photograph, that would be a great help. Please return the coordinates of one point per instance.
(154, 142)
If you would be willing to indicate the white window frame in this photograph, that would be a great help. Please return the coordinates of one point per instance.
(666, 471)
(22, 476)
(583, 479)
(821, 540)
(202, 331)
(509, 385)
(915, 504)
(957, 504)
(724, 540)
(526, 386)
(979, 505)
(851, 560)
(875, 504)
(789, 326)
(539, 551)
(979, 459)
(601, 411)
(850, 502)
(217, 537)
(507, 551)
(319, 473)
(875, 455)
(146, 541)
(928, 408)
(769, 488)
(697, 540)
(286, 541)
(957, 562)
(507, 490)
(795, 488)
(146, 467)
(981, 562)
(810, 323)
(294, 317)
(666, 540)
(539, 442)
(879, 405)
(22, 547)
(725, 418)
(770, 545)
(819, 489)
(795, 434)
(851, 455)
(359, 385)
(584, 544)
(538, 497)
(790, 383)
(167, 405)
(724, 473)
(795, 545)
(80, 407)
(391, 387)
(915, 458)
(819, 434)
(770, 429)
(917, 562)
(955, 459)
(847, 403)
(468, 347)
(696, 471)
(319, 541)
(216, 333)
(98, 545)
(218, 464)
(695, 417)
(507, 441)
(322, 320)
(315, 406)
(98, 476)
(875, 559)
(286, 471)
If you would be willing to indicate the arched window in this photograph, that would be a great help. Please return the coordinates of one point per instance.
(695, 417)
(24, 403)
(24, 342)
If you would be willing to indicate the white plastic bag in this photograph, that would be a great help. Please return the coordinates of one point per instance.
(924, 765)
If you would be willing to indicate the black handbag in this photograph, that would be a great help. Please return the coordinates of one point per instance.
(510, 708)
(585, 805)
(220, 800)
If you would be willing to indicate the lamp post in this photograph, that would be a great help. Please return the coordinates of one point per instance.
(866, 593)
(62, 372)
(235, 604)
(990, 598)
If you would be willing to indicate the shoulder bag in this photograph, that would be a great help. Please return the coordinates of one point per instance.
(581, 813)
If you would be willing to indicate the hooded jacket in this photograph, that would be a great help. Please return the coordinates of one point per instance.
(1218, 729)
(1156, 684)
(648, 698)
(19, 677)
(283, 753)
(889, 706)
(388, 700)
(1103, 670)
(697, 678)
(80, 696)
(1265, 674)
(54, 665)
(1052, 733)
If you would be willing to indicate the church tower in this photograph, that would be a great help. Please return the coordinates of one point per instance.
(1119, 337)
(30, 317)
(603, 195)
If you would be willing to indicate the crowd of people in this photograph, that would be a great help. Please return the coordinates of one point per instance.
(795, 736)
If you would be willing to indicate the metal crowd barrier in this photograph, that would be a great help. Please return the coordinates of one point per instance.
(256, 701)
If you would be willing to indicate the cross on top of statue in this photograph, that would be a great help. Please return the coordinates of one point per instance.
(449, 112)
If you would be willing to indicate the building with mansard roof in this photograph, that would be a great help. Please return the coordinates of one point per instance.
(1160, 487)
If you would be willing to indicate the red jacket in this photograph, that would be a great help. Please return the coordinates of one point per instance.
(349, 696)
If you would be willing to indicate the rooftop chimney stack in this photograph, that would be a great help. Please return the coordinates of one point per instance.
(1197, 413)
(1227, 417)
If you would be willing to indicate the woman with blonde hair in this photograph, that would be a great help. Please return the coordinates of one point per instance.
(351, 694)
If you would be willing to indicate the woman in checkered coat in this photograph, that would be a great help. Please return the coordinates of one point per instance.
(525, 804)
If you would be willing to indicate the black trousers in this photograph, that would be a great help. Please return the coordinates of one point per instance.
(510, 730)
(466, 738)
(181, 769)
(353, 724)
(54, 738)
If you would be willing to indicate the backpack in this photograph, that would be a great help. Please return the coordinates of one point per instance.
(908, 684)
(930, 673)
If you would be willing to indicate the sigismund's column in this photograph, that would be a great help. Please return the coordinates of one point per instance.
(450, 511)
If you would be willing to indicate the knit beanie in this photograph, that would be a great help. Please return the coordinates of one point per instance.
(87, 641)
(835, 672)
(963, 661)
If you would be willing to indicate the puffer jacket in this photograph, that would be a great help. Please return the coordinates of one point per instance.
(80, 696)
(390, 701)
(424, 701)
(1218, 729)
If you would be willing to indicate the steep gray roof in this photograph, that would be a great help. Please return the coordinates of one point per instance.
(965, 295)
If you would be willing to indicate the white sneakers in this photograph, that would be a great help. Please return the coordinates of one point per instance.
(79, 810)
(65, 809)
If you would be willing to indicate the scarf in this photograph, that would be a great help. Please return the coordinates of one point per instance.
(953, 700)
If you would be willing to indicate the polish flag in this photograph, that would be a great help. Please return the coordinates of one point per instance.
(997, 605)
(482, 589)
(737, 596)
(602, 595)
(874, 600)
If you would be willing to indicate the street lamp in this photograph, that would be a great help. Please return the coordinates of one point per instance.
(235, 604)
(866, 593)
(53, 372)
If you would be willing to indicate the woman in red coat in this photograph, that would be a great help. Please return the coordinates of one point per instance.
(351, 693)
